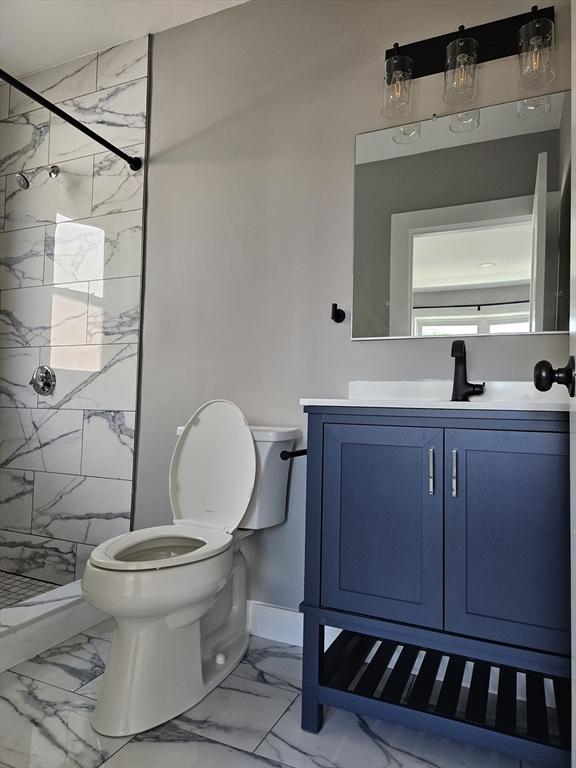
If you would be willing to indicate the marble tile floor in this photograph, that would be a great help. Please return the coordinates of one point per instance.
(15, 589)
(251, 720)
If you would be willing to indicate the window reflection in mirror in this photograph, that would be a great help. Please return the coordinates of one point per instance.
(464, 233)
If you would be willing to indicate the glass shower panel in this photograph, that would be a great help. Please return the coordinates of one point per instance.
(70, 266)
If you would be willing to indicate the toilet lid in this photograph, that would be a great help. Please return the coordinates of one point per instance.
(213, 468)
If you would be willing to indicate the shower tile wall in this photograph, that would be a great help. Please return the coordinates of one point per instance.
(70, 265)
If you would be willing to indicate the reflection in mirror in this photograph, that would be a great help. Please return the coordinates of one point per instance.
(465, 230)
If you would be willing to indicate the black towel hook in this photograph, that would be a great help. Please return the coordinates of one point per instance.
(338, 315)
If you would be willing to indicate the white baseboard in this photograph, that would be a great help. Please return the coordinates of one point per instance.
(275, 623)
(284, 625)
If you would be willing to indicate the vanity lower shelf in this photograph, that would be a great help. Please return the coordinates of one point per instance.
(449, 694)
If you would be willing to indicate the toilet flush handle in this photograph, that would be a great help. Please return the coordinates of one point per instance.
(287, 455)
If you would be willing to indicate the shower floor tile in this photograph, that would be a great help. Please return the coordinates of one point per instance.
(15, 588)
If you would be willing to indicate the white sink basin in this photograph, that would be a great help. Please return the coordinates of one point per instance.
(436, 393)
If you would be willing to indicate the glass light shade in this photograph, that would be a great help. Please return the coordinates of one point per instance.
(535, 108)
(460, 71)
(407, 134)
(536, 54)
(464, 122)
(397, 86)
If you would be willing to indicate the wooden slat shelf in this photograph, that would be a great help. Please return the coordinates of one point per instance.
(516, 702)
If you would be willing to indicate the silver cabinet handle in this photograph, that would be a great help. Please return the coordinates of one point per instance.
(454, 474)
(431, 471)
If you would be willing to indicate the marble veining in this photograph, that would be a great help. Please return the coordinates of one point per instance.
(93, 377)
(22, 258)
(40, 439)
(24, 141)
(42, 558)
(116, 187)
(16, 490)
(46, 727)
(196, 752)
(44, 316)
(73, 78)
(70, 261)
(272, 663)
(241, 724)
(346, 735)
(89, 510)
(113, 311)
(108, 443)
(70, 664)
(117, 114)
(122, 63)
(16, 366)
(97, 248)
(239, 713)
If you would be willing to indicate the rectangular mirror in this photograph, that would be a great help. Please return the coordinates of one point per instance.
(461, 223)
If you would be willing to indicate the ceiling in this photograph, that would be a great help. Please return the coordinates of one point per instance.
(35, 34)
(450, 260)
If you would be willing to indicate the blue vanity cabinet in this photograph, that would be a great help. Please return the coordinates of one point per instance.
(437, 543)
(382, 523)
(507, 555)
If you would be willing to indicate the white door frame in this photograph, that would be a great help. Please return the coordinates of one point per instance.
(404, 226)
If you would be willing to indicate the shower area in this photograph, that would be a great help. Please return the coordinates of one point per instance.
(71, 216)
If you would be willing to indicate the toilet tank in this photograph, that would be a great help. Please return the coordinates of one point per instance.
(268, 503)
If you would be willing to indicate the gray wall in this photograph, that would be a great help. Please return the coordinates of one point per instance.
(253, 118)
(474, 173)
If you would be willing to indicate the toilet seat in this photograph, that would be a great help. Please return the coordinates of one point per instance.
(213, 468)
(212, 475)
(112, 554)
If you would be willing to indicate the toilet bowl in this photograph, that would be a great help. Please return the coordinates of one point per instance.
(178, 592)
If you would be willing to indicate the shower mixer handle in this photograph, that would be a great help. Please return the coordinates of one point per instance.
(43, 380)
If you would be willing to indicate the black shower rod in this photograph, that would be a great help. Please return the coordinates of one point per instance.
(135, 163)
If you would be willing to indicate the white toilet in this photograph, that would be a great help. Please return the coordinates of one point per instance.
(178, 592)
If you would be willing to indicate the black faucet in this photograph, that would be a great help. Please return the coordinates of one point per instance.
(462, 388)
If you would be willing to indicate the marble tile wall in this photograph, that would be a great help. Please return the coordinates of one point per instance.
(70, 266)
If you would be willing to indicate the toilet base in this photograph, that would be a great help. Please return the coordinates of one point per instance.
(160, 667)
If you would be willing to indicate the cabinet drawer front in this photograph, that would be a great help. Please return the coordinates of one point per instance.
(507, 520)
(382, 522)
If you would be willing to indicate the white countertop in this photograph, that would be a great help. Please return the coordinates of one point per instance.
(498, 396)
(472, 405)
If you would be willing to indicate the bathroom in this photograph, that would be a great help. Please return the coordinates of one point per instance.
(218, 265)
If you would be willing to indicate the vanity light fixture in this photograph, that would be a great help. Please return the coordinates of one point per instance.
(464, 122)
(530, 36)
(536, 52)
(534, 108)
(397, 84)
(460, 69)
(407, 134)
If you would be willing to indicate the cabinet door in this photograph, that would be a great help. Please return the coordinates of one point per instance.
(382, 522)
(507, 537)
